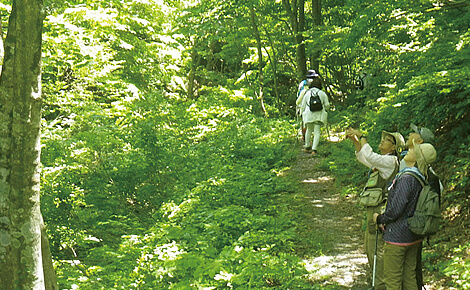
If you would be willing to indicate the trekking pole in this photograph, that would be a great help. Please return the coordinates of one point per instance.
(298, 130)
(374, 268)
(328, 130)
(298, 122)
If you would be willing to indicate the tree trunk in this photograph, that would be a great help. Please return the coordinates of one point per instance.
(273, 60)
(50, 278)
(317, 21)
(192, 72)
(297, 20)
(260, 58)
(301, 56)
(21, 261)
(2, 52)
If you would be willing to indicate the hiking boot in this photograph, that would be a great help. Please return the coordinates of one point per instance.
(315, 153)
(307, 149)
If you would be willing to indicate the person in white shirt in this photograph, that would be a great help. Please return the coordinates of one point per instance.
(386, 164)
(304, 86)
(314, 120)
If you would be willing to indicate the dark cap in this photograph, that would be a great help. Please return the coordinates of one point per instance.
(425, 133)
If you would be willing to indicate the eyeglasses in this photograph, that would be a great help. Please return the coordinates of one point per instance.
(391, 140)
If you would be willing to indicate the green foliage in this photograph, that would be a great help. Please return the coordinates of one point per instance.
(210, 194)
(350, 174)
(145, 189)
(458, 269)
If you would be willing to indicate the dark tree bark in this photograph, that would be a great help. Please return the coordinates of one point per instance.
(295, 11)
(317, 21)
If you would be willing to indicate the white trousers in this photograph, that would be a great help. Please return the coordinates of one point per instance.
(315, 129)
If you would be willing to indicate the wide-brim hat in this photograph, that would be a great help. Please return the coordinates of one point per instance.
(399, 140)
(425, 154)
(311, 73)
(425, 133)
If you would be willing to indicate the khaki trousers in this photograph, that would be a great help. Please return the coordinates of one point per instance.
(370, 247)
(400, 267)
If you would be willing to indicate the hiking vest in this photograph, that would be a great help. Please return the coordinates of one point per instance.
(376, 190)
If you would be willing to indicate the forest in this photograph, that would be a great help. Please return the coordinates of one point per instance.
(164, 130)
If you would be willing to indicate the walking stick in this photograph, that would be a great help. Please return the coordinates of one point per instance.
(299, 123)
(374, 268)
(328, 130)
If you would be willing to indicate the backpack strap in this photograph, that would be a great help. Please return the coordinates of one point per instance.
(315, 93)
(312, 93)
(420, 180)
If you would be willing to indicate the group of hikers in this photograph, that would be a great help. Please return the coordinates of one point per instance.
(396, 178)
(313, 105)
(390, 197)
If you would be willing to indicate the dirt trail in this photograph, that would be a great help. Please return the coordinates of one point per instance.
(334, 224)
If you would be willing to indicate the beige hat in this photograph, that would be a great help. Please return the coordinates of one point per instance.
(399, 140)
(425, 155)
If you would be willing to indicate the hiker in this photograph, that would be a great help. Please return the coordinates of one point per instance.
(303, 88)
(314, 119)
(304, 85)
(421, 135)
(402, 246)
(383, 168)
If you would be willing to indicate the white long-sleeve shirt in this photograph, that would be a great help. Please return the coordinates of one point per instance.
(319, 116)
(385, 164)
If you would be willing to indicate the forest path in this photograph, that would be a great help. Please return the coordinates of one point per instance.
(332, 239)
